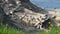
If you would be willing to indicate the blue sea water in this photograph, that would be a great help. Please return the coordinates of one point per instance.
(47, 3)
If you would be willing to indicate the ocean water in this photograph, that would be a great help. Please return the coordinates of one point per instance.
(47, 3)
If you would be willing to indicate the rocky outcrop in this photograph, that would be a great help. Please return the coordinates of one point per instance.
(25, 15)
(55, 12)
